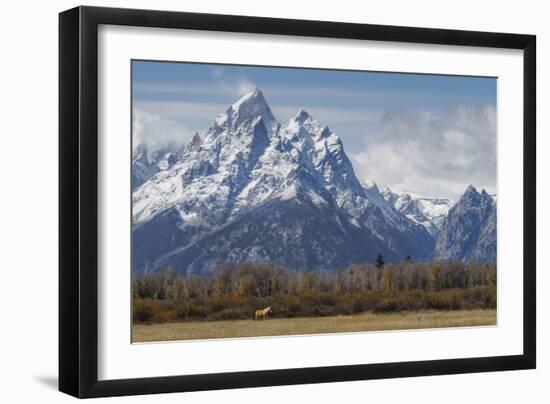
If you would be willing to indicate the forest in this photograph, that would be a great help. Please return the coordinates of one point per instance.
(235, 291)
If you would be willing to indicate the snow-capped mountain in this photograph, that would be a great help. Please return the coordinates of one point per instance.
(146, 163)
(251, 189)
(427, 211)
(469, 232)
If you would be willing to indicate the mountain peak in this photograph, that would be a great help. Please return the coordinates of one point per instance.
(470, 197)
(306, 120)
(250, 106)
(195, 142)
(469, 230)
(254, 95)
(253, 104)
(370, 184)
(302, 116)
(388, 194)
(196, 138)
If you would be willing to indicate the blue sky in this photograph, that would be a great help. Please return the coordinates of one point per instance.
(382, 118)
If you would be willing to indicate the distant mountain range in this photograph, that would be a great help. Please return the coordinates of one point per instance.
(252, 189)
(428, 211)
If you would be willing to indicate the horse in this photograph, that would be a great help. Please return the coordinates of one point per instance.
(262, 313)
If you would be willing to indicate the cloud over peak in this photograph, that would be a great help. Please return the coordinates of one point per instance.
(433, 154)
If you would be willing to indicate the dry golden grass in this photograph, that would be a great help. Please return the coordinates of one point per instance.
(312, 325)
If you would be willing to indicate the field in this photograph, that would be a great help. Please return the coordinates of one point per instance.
(367, 321)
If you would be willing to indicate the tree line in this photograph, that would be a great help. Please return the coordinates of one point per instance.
(235, 291)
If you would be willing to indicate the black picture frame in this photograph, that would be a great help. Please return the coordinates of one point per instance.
(78, 201)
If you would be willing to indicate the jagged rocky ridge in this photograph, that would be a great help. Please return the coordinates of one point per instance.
(430, 212)
(251, 189)
(146, 163)
(469, 231)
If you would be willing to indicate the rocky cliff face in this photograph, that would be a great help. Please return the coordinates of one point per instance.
(469, 230)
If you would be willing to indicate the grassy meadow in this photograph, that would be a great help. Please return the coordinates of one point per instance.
(312, 325)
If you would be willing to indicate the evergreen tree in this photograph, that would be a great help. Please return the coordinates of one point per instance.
(379, 263)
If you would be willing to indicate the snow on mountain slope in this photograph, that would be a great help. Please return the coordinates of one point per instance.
(426, 211)
(214, 199)
(209, 176)
(146, 163)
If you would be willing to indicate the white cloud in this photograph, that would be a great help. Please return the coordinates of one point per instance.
(244, 86)
(157, 132)
(234, 86)
(432, 155)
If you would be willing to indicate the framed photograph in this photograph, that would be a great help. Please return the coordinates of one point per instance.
(251, 201)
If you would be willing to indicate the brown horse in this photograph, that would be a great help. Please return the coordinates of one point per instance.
(262, 313)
